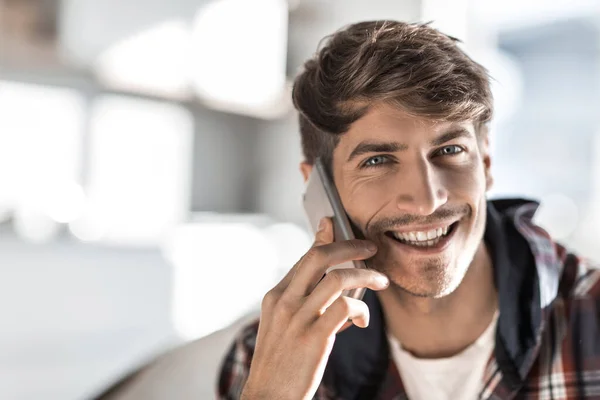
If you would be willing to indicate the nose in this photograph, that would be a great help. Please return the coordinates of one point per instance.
(421, 190)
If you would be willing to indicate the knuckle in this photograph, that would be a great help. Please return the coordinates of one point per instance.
(338, 277)
(269, 299)
(353, 245)
(344, 305)
(284, 308)
(315, 253)
(304, 339)
(358, 245)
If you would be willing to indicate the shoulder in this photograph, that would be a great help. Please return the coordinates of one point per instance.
(560, 271)
(246, 338)
(580, 279)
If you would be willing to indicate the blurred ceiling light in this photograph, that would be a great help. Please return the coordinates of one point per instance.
(90, 226)
(239, 57)
(139, 173)
(154, 61)
(66, 202)
(220, 273)
(40, 147)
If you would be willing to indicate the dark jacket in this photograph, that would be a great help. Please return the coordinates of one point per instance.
(547, 338)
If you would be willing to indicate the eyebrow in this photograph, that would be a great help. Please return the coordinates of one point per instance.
(451, 135)
(376, 147)
(391, 147)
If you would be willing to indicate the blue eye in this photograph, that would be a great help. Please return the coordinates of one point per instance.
(375, 161)
(450, 150)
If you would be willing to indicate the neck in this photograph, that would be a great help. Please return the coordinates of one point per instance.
(439, 328)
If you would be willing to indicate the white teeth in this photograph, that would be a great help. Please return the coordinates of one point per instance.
(422, 239)
(428, 243)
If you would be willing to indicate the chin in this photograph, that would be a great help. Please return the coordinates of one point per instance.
(433, 279)
(434, 271)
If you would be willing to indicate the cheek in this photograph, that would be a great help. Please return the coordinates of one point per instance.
(365, 197)
(465, 182)
(467, 185)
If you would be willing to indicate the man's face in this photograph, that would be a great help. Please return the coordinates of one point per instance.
(417, 189)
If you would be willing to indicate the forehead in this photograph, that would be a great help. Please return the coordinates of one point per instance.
(387, 123)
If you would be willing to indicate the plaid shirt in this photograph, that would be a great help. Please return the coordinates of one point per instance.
(547, 338)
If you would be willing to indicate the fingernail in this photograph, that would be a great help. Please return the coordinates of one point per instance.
(371, 247)
(321, 224)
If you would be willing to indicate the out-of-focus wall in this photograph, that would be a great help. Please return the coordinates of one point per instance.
(546, 149)
(225, 176)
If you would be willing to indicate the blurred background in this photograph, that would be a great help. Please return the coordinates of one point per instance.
(149, 183)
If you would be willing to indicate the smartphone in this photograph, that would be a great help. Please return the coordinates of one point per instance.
(321, 199)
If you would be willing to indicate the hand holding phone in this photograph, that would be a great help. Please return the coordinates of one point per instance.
(302, 314)
(308, 306)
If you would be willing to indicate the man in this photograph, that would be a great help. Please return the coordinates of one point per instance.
(468, 299)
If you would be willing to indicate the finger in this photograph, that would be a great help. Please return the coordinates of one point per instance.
(346, 325)
(318, 259)
(335, 283)
(336, 316)
(324, 233)
(323, 236)
(285, 281)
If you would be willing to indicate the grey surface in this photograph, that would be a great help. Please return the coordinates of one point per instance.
(189, 371)
(75, 317)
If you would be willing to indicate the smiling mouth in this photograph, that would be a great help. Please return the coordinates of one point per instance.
(423, 239)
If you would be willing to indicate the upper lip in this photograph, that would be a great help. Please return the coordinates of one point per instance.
(422, 228)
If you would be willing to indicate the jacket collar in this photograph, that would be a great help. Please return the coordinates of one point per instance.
(360, 358)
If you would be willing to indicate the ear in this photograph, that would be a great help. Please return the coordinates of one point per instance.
(306, 169)
(484, 145)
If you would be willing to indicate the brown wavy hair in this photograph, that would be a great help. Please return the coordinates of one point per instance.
(412, 66)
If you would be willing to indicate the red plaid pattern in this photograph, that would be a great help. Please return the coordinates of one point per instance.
(566, 362)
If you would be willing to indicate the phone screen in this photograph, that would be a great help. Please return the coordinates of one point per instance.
(321, 199)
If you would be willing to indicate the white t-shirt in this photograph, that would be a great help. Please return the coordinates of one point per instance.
(457, 377)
